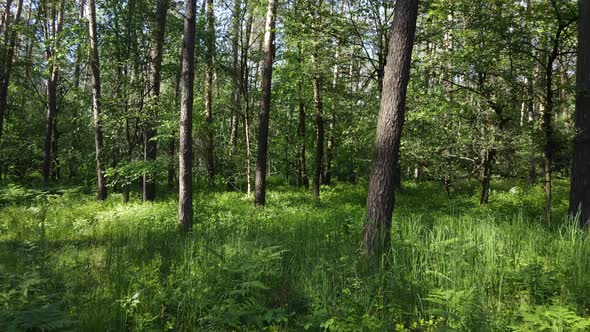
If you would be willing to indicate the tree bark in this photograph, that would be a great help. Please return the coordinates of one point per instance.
(150, 152)
(268, 51)
(51, 33)
(319, 153)
(236, 95)
(95, 67)
(10, 42)
(580, 182)
(209, 54)
(185, 153)
(380, 200)
(489, 155)
(302, 178)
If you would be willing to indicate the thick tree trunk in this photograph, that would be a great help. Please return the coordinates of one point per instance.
(10, 43)
(185, 153)
(95, 66)
(268, 50)
(209, 54)
(580, 183)
(150, 152)
(319, 153)
(380, 200)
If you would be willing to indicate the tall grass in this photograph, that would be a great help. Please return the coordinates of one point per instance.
(70, 263)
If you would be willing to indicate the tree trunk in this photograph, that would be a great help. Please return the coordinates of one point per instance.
(302, 179)
(380, 200)
(10, 43)
(185, 153)
(489, 156)
(319, 154)
(150, 152)
(51, 41)
(95, 66)
(209, 54)
(580, 183)
(268, 51)
(236, 90)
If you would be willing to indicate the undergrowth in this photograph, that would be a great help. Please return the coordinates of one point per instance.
(68, 262)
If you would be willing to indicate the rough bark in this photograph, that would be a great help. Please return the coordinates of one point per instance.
(10, 42)
(380, 200)
(150, 152)
(268, 51)
(209, 54)
(96, 105)
(236, 95)
(185, 158)
(580, 182)
(302, 179)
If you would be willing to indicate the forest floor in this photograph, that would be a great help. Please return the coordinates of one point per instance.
(68, 262)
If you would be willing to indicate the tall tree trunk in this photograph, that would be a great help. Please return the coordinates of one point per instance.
(51, 34)
(185, 153)
(10, 43)
(95, 66)
(580, 182)
(236, 90)
(209, 54)
(549, 148)
(150, 152)
(302, 178)
(380, 200)
(268, 50)
(245, 76)
(319, 153)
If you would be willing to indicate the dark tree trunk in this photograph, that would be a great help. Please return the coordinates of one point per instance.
(209, 54)
(489, 155)
(319, 153)
(268, 50)
(10, 43)
(380, 200)
(185, 153)
(150, 145)
(95, 66)
(580, 183)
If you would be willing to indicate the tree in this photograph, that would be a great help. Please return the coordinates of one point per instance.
(380, 200)
(96, 105)
(268, 50)
(580, 180)
(155, 77)
(10, 37)
(209, 56)
(52, 24)
(185, 153)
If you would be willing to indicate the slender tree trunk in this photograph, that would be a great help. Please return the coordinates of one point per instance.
(209, 54)
(380, 200)
(549, 148)
(319, 154)
(150, 152)
(51, 32)
(245, 76)
(302, 178)
(268, 50)
(236, 91)
(10, 43)
(580, 182)
(185, 153)
(95, 66)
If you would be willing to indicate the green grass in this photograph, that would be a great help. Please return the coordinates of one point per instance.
(68, 262)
